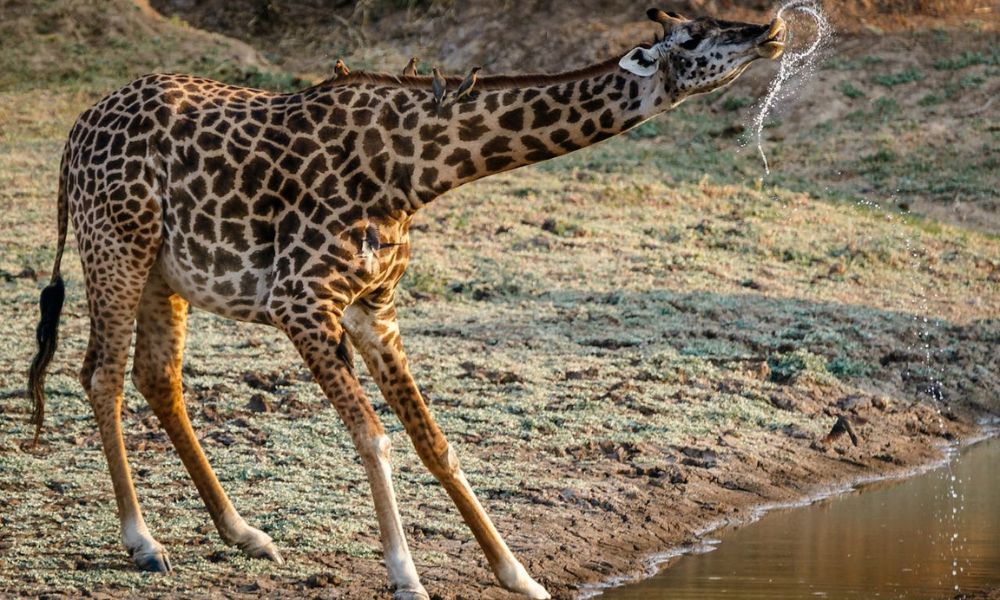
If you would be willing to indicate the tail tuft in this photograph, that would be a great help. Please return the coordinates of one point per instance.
(50, 304)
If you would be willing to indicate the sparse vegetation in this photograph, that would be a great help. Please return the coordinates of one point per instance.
(899, 78)
(847, 88)
(609, 319)
(969, 58)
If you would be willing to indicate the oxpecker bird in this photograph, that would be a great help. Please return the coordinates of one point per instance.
(372, 242)
(840, 427)
(439, 85)
(465, 89)
(410, 70)
(340, 68)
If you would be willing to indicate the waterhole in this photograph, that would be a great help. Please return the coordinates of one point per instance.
(926, 537)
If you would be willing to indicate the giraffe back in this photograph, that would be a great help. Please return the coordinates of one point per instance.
(234, 187)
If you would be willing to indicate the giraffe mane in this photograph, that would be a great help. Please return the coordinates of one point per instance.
(491, 82)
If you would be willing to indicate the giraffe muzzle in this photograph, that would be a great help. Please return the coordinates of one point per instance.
(773, 43)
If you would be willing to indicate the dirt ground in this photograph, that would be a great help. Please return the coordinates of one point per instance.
(625, 346)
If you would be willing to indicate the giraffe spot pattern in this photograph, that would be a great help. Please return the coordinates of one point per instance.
(293, 209)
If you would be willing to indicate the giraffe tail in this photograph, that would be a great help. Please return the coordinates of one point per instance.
(50, 304)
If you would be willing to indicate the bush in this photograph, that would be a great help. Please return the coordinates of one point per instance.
(799, 366)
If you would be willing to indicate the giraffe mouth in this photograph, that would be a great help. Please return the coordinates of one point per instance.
(773, 44)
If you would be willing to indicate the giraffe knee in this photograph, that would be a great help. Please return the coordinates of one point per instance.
(88, 367)
(377, 447)
(157, 388)
(444, 465)
(87, 377)
(100, 380)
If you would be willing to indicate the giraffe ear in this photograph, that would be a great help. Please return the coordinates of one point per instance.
(639, 61)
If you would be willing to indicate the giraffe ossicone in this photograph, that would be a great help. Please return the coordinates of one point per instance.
(293, 210)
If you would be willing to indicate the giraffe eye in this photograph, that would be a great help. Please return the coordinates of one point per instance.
(692, 43)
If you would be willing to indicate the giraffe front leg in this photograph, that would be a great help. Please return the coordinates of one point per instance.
(376, 334)
(326, 351)
(396, 553)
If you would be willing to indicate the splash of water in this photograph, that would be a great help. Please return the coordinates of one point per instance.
(799, 63)
(791, 64)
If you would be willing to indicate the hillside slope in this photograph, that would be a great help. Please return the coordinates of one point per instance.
(53, 43)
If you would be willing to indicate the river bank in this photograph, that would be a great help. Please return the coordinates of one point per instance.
(929, 533)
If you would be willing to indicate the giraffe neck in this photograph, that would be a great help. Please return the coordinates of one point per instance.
(509, 123)
(503, 129)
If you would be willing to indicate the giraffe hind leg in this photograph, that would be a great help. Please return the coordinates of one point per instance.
(112, 312)
(156, 373)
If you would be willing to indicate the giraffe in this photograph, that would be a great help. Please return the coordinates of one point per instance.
(293, 210)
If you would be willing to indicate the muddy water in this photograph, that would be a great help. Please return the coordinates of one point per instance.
(917, 539)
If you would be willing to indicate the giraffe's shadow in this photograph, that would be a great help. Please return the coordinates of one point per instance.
(897, 352)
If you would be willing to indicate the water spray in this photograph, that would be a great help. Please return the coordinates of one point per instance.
(791, 64)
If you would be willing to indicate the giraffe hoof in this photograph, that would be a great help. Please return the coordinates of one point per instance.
(419, 594)
(533, 590)
(267, 551)
(256, 544)
(517, 580)
(153, 562)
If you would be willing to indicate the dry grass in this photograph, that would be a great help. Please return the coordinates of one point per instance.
(646, 293)
(943, 8)
(94, 45)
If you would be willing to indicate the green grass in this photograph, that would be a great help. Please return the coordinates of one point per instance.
(800, 366)
(848, 89)
(254, 77)
(971, 81)
(905, 76)
(968, 59)
(885, 108)
(846, 368)
(930, 100)
(734, 103)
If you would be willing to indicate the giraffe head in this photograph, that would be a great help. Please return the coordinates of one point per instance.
(696, 56)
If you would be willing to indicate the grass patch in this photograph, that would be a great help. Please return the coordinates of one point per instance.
(885, 108)
(968, 59)
(905, 76)
(734, 103)
(971, 81)
(931, 99)
(844, 367)
(253, 77)
(847, 88)
(799, 366)
(647, 130)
